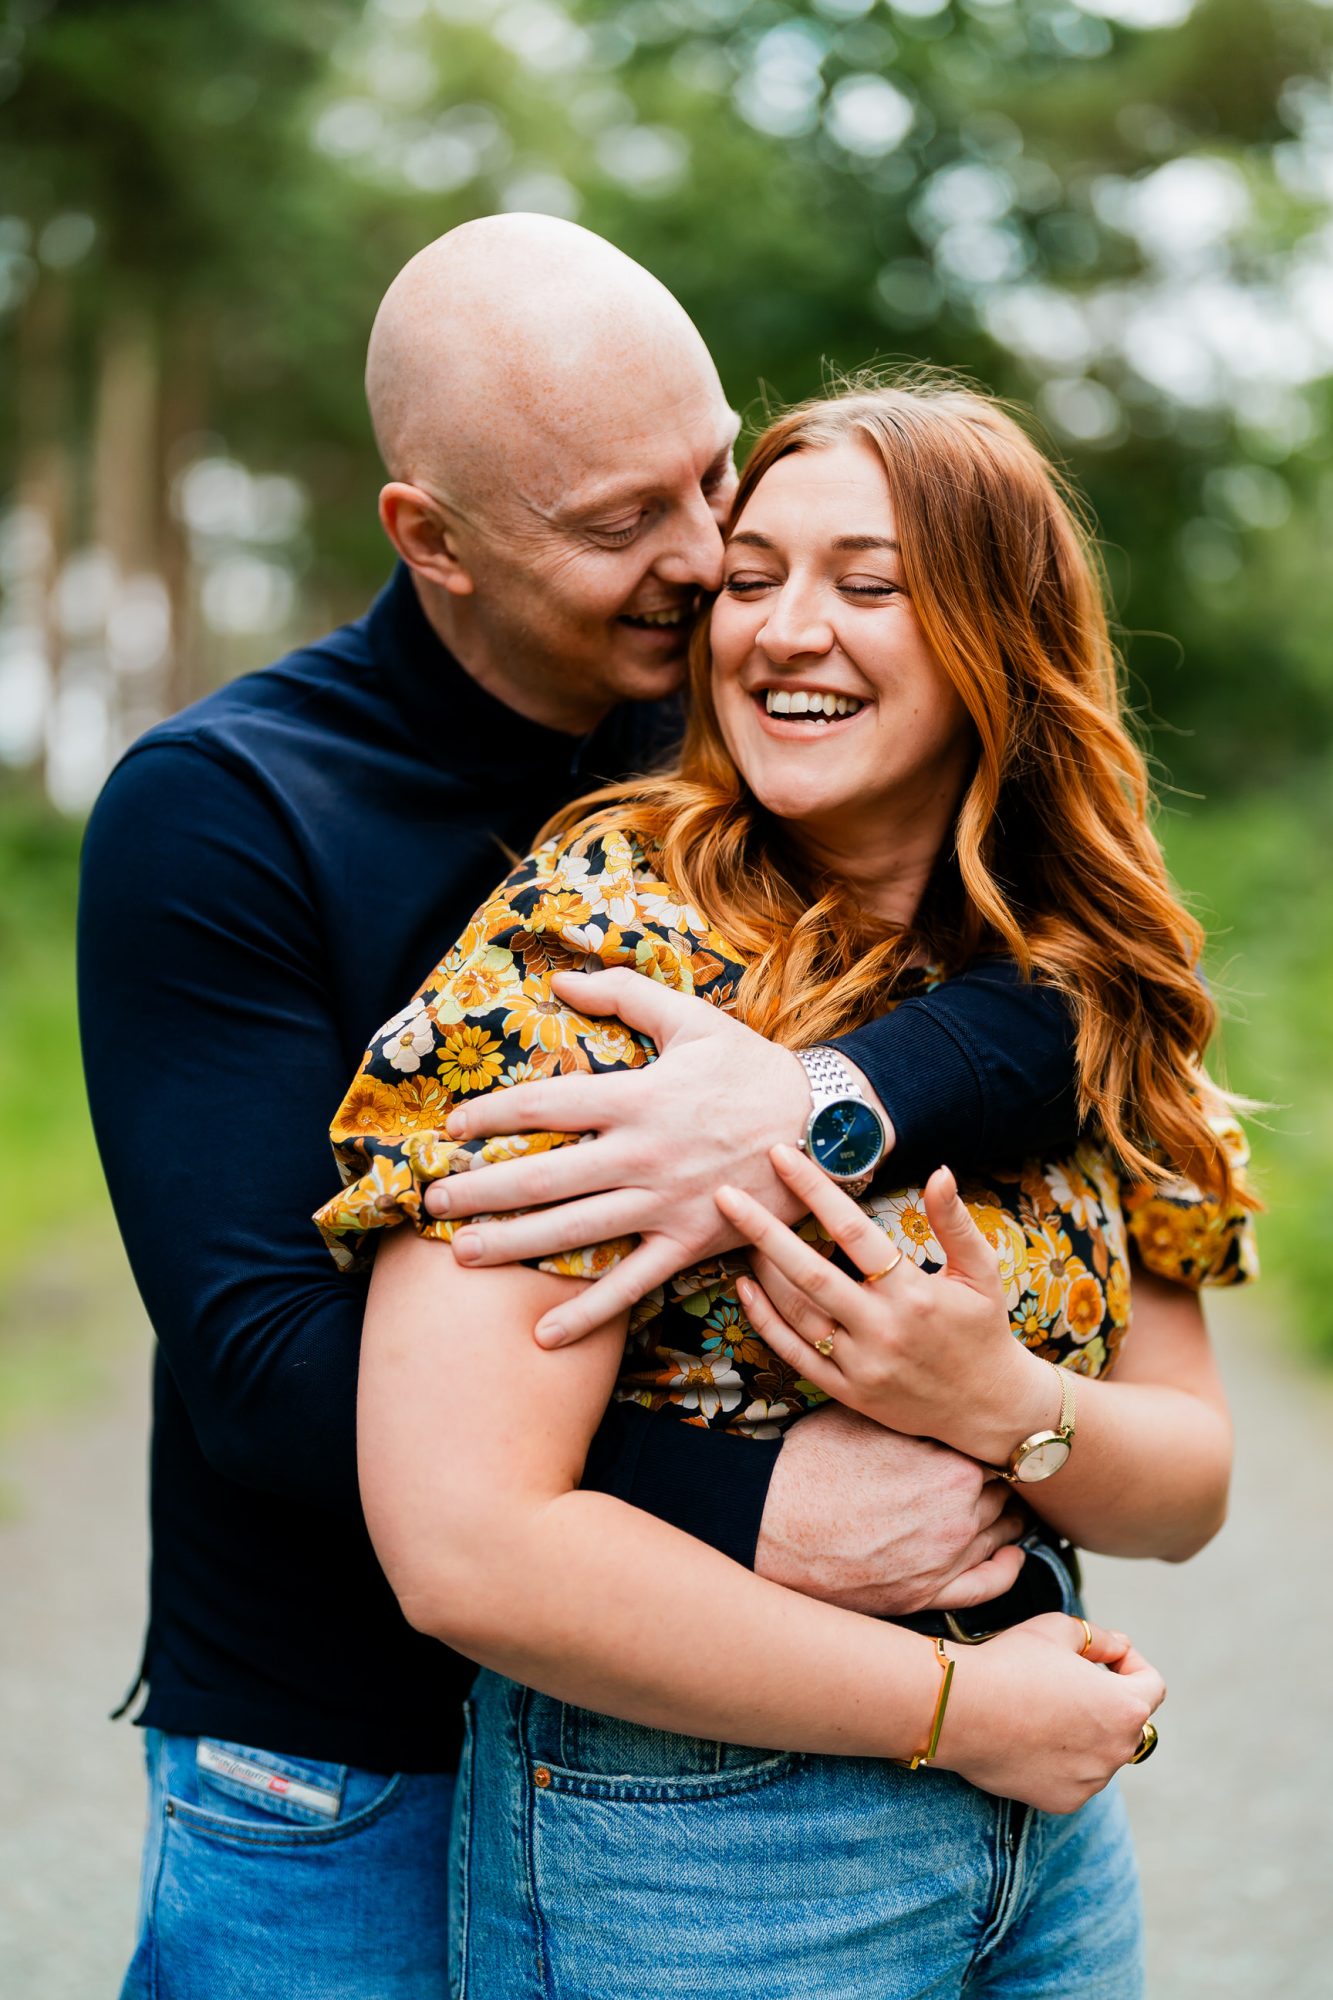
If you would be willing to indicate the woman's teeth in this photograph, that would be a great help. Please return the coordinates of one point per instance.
(818, 707)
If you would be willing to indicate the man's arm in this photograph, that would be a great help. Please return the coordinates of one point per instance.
(213, 1063)
(979, 1070)
(212, 1059)
(716, 1101)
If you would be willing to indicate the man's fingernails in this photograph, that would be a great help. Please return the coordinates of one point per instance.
(454, 1124)
(550, 1333)
(786, 1156)
(467, 1246)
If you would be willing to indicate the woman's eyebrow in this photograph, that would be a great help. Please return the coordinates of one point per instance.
(751, 538)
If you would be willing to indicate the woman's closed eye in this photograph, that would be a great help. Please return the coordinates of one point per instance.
(866, 588)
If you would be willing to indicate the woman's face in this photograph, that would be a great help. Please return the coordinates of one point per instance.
(832, 705)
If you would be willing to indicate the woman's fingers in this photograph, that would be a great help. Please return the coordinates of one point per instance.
(967, 1253)
(785, 1341)
(799, 1264)
(846, 1222)
(795, 1305)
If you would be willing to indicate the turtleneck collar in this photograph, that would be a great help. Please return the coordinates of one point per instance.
(456, 723)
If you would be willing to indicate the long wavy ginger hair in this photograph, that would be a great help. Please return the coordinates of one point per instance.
(1053, 857)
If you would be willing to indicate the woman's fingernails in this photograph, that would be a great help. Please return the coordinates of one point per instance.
(550, 1333)
(786, 1156)
(467, 1246)
(455, 1124)
(744, 1291)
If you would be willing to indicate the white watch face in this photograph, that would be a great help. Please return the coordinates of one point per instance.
(1041, 1460)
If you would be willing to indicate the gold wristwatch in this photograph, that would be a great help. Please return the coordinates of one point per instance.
(1044, 1452)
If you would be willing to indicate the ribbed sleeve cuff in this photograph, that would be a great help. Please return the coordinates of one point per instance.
(706, 1483)
(928, 1081)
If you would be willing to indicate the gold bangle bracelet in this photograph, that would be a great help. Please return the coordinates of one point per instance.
(937, 1719)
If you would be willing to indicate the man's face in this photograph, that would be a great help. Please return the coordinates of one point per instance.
(586, 570)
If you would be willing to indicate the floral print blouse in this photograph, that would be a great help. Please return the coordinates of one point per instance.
(487, 1018)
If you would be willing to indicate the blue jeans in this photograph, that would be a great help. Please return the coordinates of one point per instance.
(594, 1860)
(279, 1878)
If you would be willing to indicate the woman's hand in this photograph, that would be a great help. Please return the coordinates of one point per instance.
(1033, 1716)
(932, 1356)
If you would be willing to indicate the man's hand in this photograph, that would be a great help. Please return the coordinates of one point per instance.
(885, 1524)
(666, 1136)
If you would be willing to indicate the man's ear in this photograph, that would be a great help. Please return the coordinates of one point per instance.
(423, 534)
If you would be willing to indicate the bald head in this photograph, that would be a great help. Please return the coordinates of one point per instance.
(507, 353)
(559, 451)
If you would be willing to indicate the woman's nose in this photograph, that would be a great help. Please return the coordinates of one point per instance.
(794, 629)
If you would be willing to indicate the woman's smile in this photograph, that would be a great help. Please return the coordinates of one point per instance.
(808, 714)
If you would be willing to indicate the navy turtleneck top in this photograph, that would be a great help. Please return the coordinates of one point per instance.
(265, 876)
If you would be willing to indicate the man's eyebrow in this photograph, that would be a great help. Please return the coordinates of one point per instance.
(624, 493)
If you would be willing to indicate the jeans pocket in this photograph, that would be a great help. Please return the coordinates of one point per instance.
(286, 1788)
(232, 1791)
(460, 1861)
(599, 1756)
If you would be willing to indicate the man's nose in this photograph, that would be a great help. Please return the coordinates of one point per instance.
(695, 557)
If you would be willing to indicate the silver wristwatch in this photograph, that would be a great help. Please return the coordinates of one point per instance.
(844, 1134)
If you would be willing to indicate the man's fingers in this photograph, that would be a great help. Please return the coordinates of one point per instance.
(984, 1582)
(575, 1103)
(645, 1005)
(560, 1173)
(547, 1232)
(655, 1260)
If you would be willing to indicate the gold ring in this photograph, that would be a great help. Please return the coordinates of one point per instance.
(1147, 1744)
(873, 1277)
(825, 1347)
(1086, 1647)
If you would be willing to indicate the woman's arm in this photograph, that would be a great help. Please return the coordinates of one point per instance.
(471, 1446)
(1151, 1465)
(935, 1356)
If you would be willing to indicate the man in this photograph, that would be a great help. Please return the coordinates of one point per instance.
(265, 876)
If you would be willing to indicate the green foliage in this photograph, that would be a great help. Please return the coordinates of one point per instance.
(255, 171)
(1258, 871)
(51, 1177)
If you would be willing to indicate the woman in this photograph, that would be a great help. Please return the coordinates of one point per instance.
(905, 748)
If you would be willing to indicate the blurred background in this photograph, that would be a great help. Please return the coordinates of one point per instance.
(1117, 212)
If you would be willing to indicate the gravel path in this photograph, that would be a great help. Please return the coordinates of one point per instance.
(1234, 1815)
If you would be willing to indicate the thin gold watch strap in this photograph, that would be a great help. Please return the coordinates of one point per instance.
(1067, 1411)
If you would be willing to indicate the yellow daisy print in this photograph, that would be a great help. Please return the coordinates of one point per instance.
(487, 1017)
(470, 1060)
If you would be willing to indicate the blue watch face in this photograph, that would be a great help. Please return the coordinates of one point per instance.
(846, 1139)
